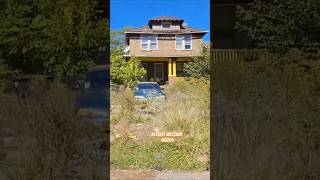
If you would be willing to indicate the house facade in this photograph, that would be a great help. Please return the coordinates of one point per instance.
(163, 46)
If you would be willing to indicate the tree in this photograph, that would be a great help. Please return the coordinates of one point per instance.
(199, 67)
(123, 72)
(117, 37)
(51, 36)
(283, 26)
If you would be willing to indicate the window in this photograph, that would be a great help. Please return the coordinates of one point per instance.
(144, 42)
(145, 77)
(187, 44)
(179, 42)
(149, 42)
(158, 71)
(153, 42)
(183, 42)
(166, 25)
(179, 66)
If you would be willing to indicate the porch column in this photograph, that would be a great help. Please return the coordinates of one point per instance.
(169, 68)
(174, 69)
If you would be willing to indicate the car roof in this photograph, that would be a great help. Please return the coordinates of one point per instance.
(148, 83)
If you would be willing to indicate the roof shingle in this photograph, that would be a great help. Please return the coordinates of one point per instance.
(148, 30)
(165, 18)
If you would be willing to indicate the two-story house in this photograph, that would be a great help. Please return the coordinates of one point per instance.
(163, 46)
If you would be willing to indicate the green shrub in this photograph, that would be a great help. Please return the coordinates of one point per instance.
(199, 67)
(125, 72)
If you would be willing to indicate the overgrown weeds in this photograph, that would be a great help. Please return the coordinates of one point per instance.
(266, 120)
(186, 110)
(54, 142)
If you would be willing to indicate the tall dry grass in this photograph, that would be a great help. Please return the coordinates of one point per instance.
(51, 142)
(186, 110)
(266, 120)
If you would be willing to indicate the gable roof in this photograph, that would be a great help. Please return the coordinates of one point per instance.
(148, 30)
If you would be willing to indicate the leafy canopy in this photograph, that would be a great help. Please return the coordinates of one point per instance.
(283, 26)
(62, 37)
(123, 71)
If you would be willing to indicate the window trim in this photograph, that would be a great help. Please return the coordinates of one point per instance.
(183, 42)
(148, 42)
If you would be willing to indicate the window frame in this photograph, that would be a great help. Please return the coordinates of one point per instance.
(148, 38)
(183, 42)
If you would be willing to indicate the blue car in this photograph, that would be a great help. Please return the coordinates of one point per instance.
(149, 91)
(93, 103)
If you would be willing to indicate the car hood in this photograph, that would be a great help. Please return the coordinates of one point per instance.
(93, 99)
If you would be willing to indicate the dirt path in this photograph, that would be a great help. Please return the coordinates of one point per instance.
(158, 175)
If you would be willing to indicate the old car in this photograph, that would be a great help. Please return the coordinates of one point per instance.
(93, 101)
(149, 91)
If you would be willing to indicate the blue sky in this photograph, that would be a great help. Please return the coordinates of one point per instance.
(135, 13)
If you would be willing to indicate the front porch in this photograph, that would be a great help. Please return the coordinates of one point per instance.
(163, 70)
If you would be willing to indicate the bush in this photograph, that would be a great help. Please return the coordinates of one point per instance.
(125, 72)
(199, 67)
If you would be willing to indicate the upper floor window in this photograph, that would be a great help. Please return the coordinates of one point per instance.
(183, 42)
(149, 42)
(165, 25)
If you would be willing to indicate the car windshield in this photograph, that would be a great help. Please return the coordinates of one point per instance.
(98, 79)
(148, 89)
